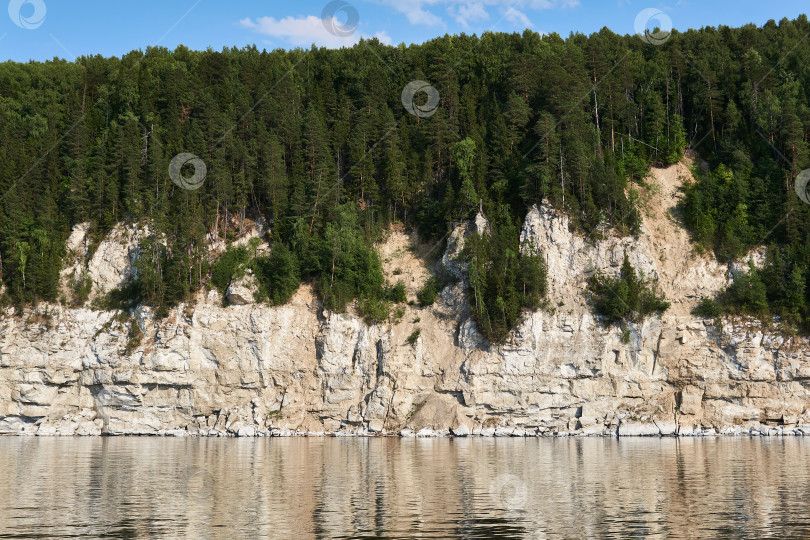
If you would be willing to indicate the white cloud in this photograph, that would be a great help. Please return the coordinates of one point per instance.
(383, 36)
(517, 17)
(415, 13)
(299, 31)
(467, 13)
(539, 5)
(304, 31)
(548, 4)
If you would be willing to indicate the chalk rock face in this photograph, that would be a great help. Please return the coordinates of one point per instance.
(572, 260)
(455, 244)
(250, 369)
(450, 264)
(241, 291)
(756, 257)
(114, 260)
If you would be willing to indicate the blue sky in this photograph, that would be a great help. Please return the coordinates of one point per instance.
(43, 29)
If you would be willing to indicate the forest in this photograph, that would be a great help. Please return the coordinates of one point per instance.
(318, 143)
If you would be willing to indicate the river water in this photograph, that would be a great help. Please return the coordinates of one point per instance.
(107, 487)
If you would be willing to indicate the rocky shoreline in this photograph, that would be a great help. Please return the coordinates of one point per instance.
(637, 430)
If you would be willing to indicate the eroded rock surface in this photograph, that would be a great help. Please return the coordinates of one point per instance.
(252, 369)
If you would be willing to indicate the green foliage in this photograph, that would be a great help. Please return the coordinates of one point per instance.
(374, 310)
(279, 274)
(717, 211)
(230, 265)
(748, 294)
(778, 289)
(532, 279)
(464, 155)
(377, 308)
(82, 285)
(150, 265)
(676, 143)
(134, 337)
(627, 298)
(329, 156)
(342, 260)
(397, 293)
(709, 307)
(503, 282)
(429, 291)
(414, 336)
(124, 297)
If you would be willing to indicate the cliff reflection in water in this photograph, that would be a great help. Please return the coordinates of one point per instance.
(393, 488)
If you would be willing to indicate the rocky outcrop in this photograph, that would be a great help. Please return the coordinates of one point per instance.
(242, 290)
(251, 369)
(449, 263)
(112, 264)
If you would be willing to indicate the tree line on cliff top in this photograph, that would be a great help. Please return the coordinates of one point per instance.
(318, 143)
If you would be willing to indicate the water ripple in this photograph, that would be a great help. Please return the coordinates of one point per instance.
(392, 488)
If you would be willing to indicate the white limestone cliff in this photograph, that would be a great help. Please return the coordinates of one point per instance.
(250, 369)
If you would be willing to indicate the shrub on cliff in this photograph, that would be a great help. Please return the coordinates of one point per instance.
(228, 266)
(747, 293)
(429, 291)
(397, 293)
(779, 288)
(503, 282)
(340, 258)
(82, 285)
(627, 298)
(279, 274)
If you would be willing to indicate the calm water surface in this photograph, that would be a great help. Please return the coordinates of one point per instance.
(392, 488)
